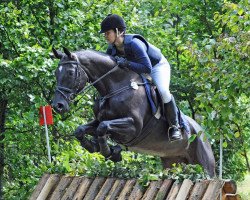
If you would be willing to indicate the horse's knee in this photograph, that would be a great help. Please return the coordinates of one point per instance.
(102, 128)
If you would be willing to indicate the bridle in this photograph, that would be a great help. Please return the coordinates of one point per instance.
(69, 94)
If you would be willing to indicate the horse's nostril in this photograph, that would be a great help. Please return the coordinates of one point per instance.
(60, 106)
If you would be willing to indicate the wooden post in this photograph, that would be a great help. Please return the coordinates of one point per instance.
(184, 190)
(164, 189)
(39, 187)
(46, 133)
(214, 189)
(152, 190)
(199, 189)
(49, 186)
(83, 188)
(174, 191)
(116, 189)
(127, 188)
(105, 189)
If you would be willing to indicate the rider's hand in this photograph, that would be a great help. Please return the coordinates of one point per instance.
(122, 62)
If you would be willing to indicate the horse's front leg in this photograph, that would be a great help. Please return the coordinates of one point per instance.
(90, 129)
(119, 126)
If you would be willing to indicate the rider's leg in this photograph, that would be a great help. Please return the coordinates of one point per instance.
(161, 77)
(172, 117)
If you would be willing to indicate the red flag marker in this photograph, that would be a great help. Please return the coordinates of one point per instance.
(46, 118)
(48, 115)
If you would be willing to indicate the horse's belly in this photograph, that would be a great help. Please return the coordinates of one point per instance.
(157, 143)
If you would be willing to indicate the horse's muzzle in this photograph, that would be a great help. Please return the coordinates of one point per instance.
(60, 106)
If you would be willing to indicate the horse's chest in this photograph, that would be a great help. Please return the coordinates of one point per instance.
(107, 110)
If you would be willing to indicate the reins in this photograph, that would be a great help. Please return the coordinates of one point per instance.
(73, 92)
(114, 93)
(97, 80)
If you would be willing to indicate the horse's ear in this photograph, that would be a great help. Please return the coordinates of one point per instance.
(67, 52)
(57, 54)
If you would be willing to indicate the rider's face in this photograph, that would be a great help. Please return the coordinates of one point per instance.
(110, 36)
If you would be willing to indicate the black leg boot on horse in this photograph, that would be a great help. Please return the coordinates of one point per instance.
(171, 113)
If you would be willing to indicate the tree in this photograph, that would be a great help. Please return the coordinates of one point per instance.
(201, 39)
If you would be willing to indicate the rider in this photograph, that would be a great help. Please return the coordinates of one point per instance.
(132, 51)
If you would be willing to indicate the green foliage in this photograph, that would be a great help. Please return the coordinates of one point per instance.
(206, 43)
(72, 160)
(181, 171)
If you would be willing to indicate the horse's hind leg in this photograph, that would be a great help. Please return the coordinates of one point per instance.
(122, 126)
(205, 157)
(200, 150)
(89, 128)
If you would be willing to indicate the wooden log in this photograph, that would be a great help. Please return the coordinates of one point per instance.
(127, 189)
(49, 186)
(94, 188)
(69, 194)
(105, 189)
(61, 188)
(152, 190)
(174, 191)
(230, 187)
(199, 190)
(232, 197)
(83, 188)
(185, 189)
(39, 187)
(115, 190)
(136, 193)
(164, 189)
(214, 189)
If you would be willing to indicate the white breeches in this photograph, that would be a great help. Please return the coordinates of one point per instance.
(161, 77)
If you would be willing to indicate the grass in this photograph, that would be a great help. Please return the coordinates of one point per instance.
(243, 188)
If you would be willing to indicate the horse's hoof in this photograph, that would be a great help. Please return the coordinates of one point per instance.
(116, 153)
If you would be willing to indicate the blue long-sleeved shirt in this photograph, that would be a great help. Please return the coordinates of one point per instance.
(137, 54)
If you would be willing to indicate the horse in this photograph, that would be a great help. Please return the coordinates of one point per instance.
(122, 112)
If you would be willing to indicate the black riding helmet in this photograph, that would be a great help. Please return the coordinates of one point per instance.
(112, 21)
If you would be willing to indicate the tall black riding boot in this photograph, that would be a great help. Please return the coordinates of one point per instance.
(172, 118)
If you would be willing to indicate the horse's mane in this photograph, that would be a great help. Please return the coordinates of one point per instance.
(93, 54)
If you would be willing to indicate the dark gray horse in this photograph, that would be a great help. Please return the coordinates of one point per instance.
(122, 113)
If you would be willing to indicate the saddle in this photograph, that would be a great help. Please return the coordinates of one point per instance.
(153, 96)
(156, 102)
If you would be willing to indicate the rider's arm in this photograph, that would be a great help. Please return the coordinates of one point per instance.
(141, 63)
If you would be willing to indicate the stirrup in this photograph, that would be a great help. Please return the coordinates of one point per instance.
(176, 128)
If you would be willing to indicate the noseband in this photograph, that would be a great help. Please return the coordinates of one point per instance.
(68, 93)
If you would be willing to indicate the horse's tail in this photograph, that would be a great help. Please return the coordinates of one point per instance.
(202, 148)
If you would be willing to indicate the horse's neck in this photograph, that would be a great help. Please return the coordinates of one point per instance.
(100, 64)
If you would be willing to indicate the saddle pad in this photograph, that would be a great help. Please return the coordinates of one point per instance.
(182, 120)
(147, 86)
